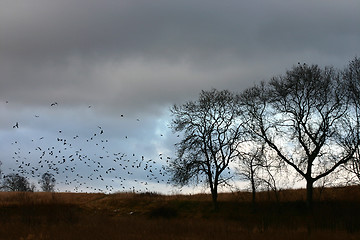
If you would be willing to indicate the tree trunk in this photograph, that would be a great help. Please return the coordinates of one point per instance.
(309, 193)
(253, 188)
(253, 191)
(214, 195)
(214, 199)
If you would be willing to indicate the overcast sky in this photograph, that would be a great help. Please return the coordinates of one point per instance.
(114, 68)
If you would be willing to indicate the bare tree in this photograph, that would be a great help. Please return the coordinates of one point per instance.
(351, 78)
(212, 136)
(305, 117)
(16, 182)
(47, 182)
(272, 173)
(250, 163)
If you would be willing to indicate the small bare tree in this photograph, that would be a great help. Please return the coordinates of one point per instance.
(212, 135)
(250, 163)
(47, 182)
(272, 174)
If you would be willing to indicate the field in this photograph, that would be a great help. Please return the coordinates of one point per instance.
(153, 216)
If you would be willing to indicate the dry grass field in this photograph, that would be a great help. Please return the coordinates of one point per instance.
(152, 216)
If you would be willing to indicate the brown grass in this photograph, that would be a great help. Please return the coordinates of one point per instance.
(153, 216)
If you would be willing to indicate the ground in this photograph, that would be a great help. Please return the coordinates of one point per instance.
(153, 216)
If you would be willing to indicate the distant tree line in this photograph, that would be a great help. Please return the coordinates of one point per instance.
(305, 121)
(18, 183)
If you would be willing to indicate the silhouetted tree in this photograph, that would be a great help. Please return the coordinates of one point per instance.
(15, 182)
(272, 174)
(351, 78)
(212, 134)
(250, 163)
(305, 117)
(47, 182)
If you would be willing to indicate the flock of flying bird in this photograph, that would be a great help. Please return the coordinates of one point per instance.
(87, 163)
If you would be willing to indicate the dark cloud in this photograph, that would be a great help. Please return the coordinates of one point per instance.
(46, 30)
(85, 45)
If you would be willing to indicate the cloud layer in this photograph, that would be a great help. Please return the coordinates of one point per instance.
(139, 57)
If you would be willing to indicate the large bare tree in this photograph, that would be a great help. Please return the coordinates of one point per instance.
(305, 117)
(211, 137)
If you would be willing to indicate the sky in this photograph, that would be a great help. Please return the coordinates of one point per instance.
(93, 81)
